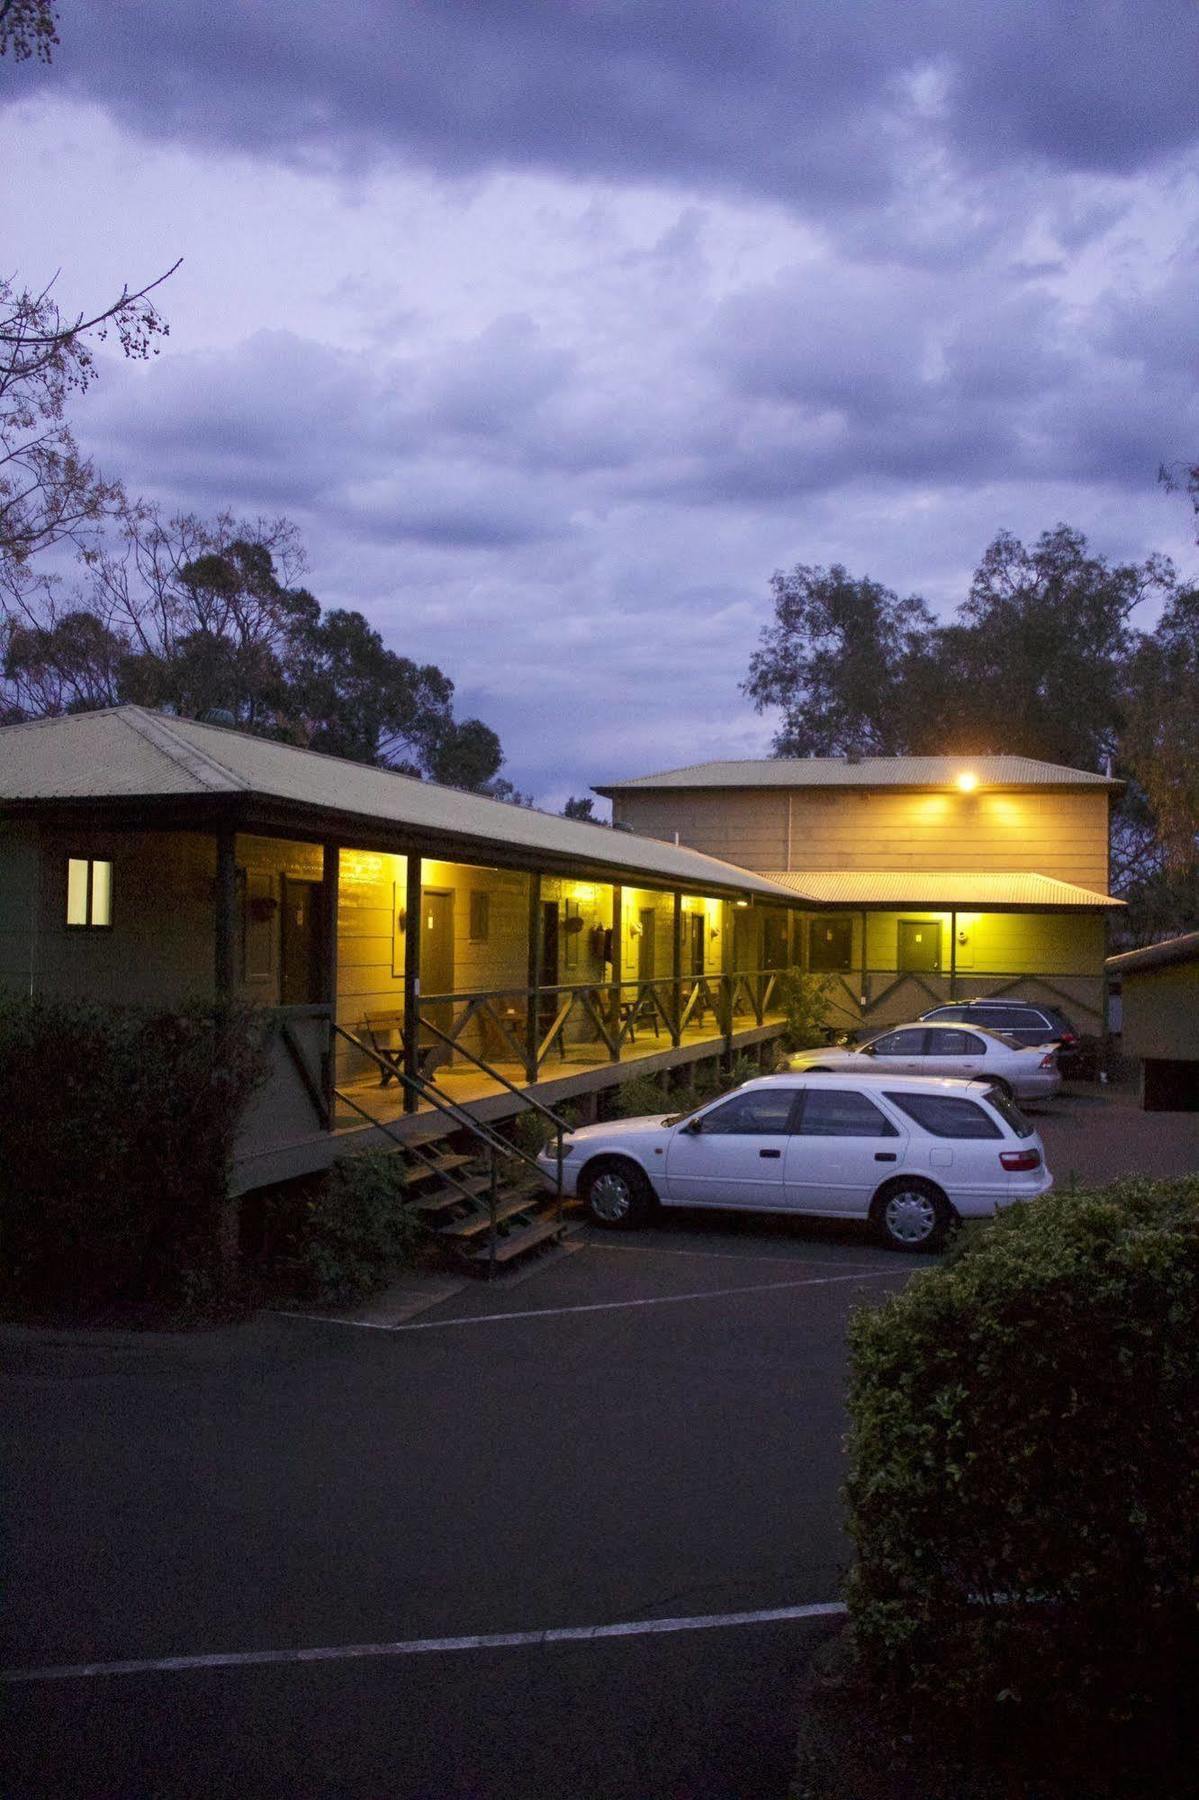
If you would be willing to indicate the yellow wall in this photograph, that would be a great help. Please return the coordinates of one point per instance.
(1063, 835)
(995, 943)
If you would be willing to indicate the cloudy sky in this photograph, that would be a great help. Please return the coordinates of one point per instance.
(557, 325)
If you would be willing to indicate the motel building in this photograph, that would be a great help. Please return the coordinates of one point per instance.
(412, 946)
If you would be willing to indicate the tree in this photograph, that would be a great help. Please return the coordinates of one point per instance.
(834, 661)
(29, 28)
(1162, 738)
(209, 620)
(581, 808)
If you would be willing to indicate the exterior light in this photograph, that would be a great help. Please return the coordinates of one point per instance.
(740, 902)
(967, 781)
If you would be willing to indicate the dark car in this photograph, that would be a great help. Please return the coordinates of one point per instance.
(1025, 1023)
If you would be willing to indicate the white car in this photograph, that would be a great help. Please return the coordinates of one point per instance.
(1027, 1072)
(910, 1154)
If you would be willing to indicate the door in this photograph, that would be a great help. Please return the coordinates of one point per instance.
(900, 1052)
(919, 944)
(733, 1154)
(698, 928)
(843, 1146)
(437, 954)
(300, 956)
(955, 1053)
(775, 931)
(550, 967)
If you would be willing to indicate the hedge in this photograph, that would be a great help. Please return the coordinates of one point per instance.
(1024, 1460)
(117, 1125)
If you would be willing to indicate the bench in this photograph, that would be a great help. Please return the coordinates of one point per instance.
(385, 1034)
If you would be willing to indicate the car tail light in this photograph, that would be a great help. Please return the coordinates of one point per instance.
(1047, 1062)
(1068, 1038)
(1020, 1160)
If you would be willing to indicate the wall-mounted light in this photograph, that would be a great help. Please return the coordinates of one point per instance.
(402, 919)
(967, 781)
(713, 931)
(740, 902)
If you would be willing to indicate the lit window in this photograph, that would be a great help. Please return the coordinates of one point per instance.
(89, 892)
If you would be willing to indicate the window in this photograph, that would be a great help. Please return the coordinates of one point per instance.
(480, 916)
(1008, 1018)
(762, 1112)
(842, 1113)
(899, 1043)
(830, 946)
(955, 1043)
(947, 1117)
(1009, 1112)
(89, 893)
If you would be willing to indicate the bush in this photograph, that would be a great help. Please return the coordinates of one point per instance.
(807, 1001)
(347, 1234)
(1024, 1460)
(117, 1128)
(531, 1131)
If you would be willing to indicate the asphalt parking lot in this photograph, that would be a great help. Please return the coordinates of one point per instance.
(639, 1432)
(634, 1432)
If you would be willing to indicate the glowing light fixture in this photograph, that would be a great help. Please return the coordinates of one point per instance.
(967, 781)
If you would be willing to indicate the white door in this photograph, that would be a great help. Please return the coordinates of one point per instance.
(733, 1154)
(842, 1147)
(961, 1053)
(902, 1052)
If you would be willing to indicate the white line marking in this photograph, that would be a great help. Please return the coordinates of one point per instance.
(497, 1640)
(604, 1305)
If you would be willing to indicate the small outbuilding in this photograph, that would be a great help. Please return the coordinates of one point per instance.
(1159, 989)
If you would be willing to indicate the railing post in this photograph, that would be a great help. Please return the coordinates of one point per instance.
(953, 956)
(676, 960)
(533, 1013)
(865, 965)
(412, 934)
(491, 1209)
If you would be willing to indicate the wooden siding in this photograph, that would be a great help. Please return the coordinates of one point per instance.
(18, 899)
(1063, 835)
(160, 948)
(1161, 1012)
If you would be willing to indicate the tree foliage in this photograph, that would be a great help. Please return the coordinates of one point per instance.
(28, 28)
(1043, 658)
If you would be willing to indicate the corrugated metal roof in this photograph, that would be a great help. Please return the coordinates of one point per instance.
(128, 753)
(968, 889)
(872, 771)
(1156, 956)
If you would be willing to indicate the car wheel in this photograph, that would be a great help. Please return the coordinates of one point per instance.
(616, 1194)
(1001, 1086)
(912, 1215)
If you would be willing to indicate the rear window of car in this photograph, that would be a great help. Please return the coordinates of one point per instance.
(1009, 1018)
(946, 1116)
(1009, 1112)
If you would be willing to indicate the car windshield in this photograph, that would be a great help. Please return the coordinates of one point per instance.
(1009, 1112)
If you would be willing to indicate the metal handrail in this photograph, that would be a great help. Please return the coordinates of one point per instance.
(443, 1103)
(489, 1069)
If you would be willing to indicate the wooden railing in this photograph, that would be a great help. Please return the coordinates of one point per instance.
(525, 1025)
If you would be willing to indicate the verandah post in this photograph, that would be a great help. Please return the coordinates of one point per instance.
(617, 966)
(533, 1013)
(676, 959)
(412, 933)
(225, 968)
(330, 877)
(953, 956)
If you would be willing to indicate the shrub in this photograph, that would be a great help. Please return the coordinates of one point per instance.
(1024, 1459)
(531, 1131)
(347, 1234)
(807, 1003)
(641, 1097)
(117, 1129)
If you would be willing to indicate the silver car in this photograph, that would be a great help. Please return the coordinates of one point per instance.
(1023, 1071)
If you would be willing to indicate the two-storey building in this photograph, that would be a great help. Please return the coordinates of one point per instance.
(923, 878)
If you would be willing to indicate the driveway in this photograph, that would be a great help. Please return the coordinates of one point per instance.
(644, 1431)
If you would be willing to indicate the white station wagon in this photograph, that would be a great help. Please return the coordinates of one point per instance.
(908, 1153)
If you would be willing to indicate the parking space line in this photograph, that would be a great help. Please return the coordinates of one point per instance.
(497, 1640)
(597, 1306)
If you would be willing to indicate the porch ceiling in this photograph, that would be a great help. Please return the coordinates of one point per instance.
(941, 890)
